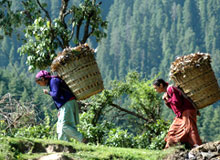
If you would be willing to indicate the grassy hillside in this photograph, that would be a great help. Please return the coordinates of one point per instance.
(14, 148)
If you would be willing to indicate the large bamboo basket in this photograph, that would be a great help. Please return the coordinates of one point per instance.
(78, 68)
(198, 82)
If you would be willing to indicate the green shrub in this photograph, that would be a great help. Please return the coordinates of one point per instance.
(119, 138)
(93, 133)
(106, 133)
(38, 131)
(143, 140)
(154, 138)
(5, 149)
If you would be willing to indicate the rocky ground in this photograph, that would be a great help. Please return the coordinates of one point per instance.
(208, 151)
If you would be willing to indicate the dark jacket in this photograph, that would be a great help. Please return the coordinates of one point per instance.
(60, 92)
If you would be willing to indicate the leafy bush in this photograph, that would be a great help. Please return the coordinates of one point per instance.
(143, 140)
(3, 125)
(5, 149)
(37, 131)
(154, 138)
(119, 138)
(143, 128)
(94, 133)
(45, 130)
(158, 142)
(160, 130)
(106, 133)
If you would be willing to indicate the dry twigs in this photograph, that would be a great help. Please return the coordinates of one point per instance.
(70, 54)
(184, 63)
(14, 113)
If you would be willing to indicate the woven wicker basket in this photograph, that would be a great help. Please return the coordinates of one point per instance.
(199, 84)
(82, 75)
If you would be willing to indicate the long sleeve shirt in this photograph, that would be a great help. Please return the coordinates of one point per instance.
(176, 101)
(60, 92)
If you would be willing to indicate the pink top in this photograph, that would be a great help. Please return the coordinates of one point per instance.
(176, 101)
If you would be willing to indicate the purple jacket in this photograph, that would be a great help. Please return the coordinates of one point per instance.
(60, 92)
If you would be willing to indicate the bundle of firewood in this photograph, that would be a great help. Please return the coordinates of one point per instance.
(70, 54)
(188, 62)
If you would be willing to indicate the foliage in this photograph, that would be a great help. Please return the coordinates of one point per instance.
(119, 138)
(19, 119)
(108, 134)
(37, 131)
(93, 133)
(43, 35)
(5, 149)
(44, 130)
(160, 130)
(144, 106)
(153, 139)
(39, 47)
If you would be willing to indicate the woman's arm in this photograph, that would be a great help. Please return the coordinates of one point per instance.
(175, 97)
(54, 87)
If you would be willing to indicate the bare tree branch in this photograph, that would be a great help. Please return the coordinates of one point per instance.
(62, 15)
(67, 12)
(78, 28)
(45, 11)
(86, 29)
(72, 30)
(132, 113)
(12, 112)
(63, 12)
(12, 125)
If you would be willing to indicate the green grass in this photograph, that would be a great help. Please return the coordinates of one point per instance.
(23, 149)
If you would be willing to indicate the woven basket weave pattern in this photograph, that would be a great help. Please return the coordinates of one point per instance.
(199, 84)
(82, 76)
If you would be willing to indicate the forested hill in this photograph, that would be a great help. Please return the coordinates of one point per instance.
(147, 35)
(142, 35)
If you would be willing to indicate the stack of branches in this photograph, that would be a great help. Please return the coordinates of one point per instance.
(15, 114)
(70, 54)
(188, 62)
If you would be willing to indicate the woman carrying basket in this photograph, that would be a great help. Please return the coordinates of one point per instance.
(184, 128)
(65, 102)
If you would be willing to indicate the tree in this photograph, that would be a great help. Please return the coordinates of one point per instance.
(204, 127)
(44, 35)
(5, 48)
(214, 127)
(139, 114)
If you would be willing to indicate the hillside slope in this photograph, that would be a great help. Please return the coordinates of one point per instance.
(39, 149)
(36, 149)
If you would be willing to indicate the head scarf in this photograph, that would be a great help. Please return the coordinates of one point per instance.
(43, 74)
